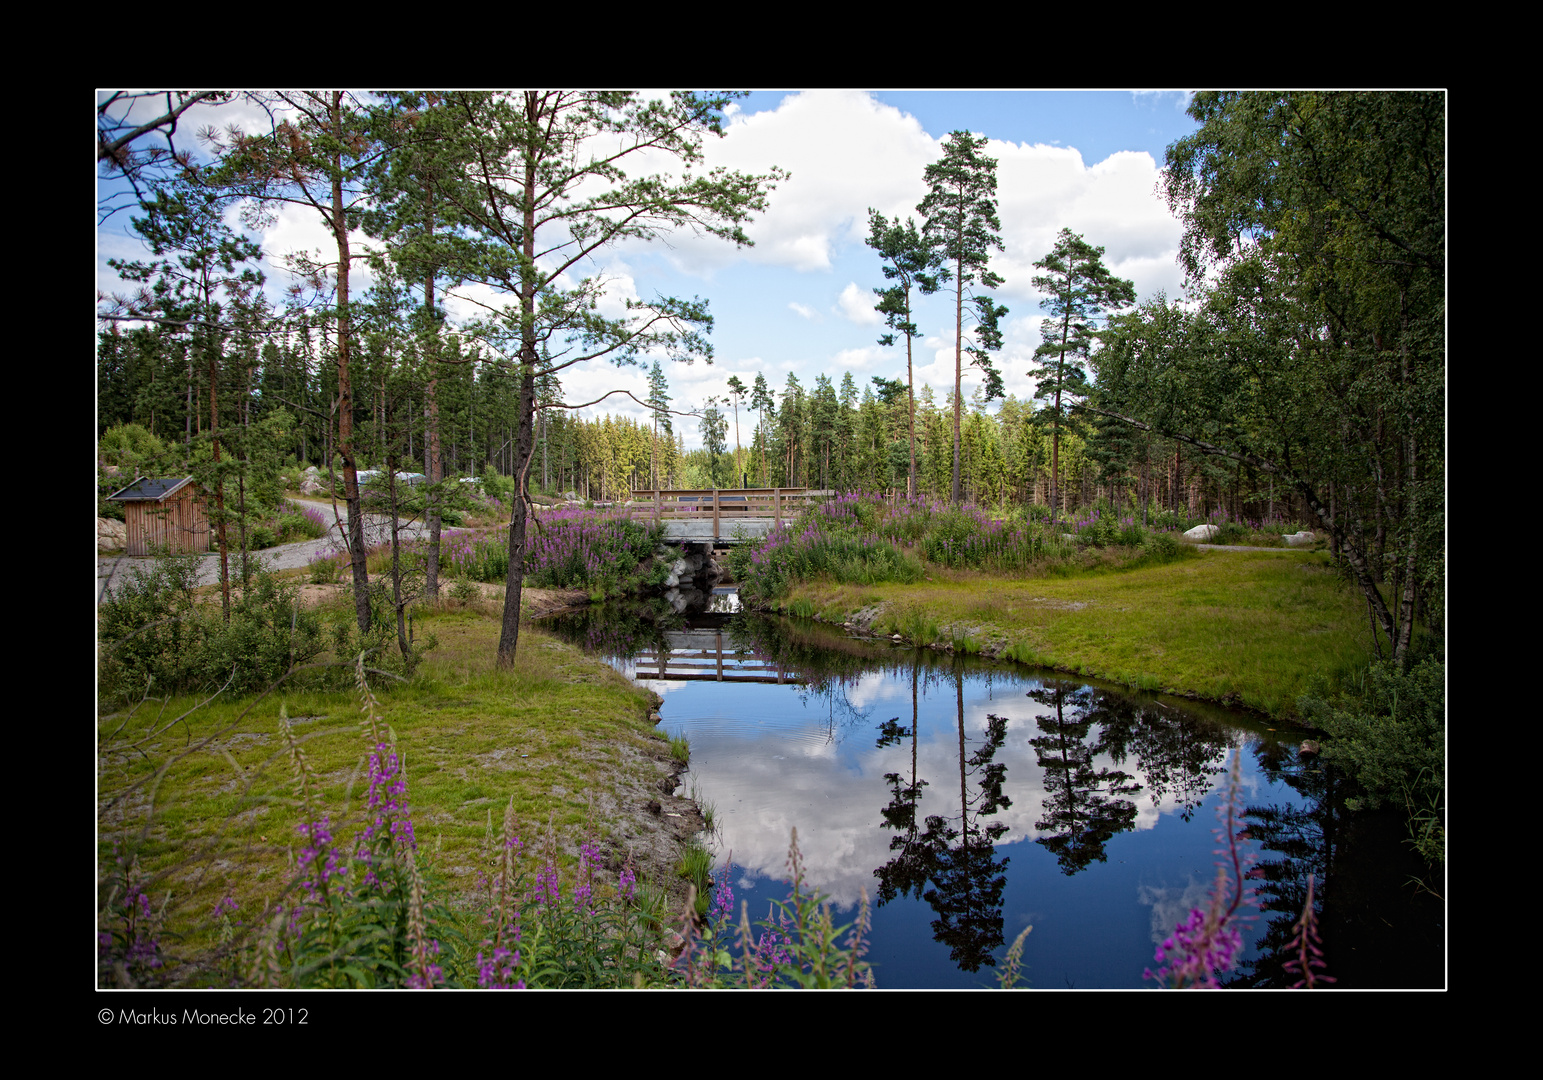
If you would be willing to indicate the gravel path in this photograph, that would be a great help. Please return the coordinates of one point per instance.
(377, 529)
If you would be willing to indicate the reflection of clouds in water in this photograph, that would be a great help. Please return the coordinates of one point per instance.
(879, 686)
(773, 766)
(1172, 906)
(662, 687)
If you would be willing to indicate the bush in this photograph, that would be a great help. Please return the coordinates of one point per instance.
(379, 644)
(1231, 532)
(150, 628)
(325, 567)
(129, 446)
(155, 634)
(258, 536)
(1390, 736)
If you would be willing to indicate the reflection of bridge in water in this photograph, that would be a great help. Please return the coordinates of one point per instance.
(704, 654)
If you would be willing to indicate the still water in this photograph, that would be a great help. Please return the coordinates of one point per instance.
(968, 800)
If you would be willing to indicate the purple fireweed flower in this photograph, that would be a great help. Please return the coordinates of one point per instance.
(1210, 941)
(589, 860)
(387, 803)
(723, 897)
(318, 851)
(547, 892)
(500, 970)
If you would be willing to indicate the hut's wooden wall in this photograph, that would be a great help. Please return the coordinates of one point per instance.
(178, 524)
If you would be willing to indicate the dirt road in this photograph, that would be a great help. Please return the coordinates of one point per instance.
(377, 529)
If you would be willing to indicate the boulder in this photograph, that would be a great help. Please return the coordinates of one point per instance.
(1299, 539)
(309, 486)
(111, 535)
(1202, 532)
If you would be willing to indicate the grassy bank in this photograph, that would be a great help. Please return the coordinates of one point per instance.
(209, 803)
(1248, 628)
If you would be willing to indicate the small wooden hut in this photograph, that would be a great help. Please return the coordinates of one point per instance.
(166, 512)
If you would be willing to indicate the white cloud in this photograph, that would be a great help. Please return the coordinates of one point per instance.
(805, 310)
(857, 304)
(845, 151)
(1113, 204)
(863, 359)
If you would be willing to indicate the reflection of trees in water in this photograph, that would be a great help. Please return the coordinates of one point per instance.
(966, 876)
(1377, 930)
(1177, 752)
(618, 631)
(916, 853)
(1082, 809)
(1299, 840)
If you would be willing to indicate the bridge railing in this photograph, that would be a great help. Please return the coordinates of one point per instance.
(722, 503)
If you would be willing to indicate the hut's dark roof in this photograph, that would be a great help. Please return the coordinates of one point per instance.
(150, 489)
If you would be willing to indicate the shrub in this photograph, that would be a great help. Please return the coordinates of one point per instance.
(258, 536)
(1131, 534)
(1230, 532)
(149, 627)
(129, 446)
(267, 632)
(154, 633)
(1391, 736)
(326, 566)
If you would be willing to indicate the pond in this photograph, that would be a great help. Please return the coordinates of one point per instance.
(970, 799)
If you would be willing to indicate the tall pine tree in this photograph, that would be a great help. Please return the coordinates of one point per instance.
(961, 223)
(1078, 289)
(910, 262)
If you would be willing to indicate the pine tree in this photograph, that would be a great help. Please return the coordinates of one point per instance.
(961, 223)
(544, 189)
(319, 161)
(1079, 289)
(910, 262)
(737, 390)
(659, 408)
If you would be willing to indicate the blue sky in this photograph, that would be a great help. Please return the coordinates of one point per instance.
(801, 299)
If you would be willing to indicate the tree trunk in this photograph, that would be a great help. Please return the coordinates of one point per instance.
(509, 634)
(435, 464)
(356, 552)
(219, 489)
(957, 494)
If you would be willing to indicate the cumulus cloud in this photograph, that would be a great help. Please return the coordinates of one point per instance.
(1113, 204)
(856, 303)
(805, 310)
(845, 152)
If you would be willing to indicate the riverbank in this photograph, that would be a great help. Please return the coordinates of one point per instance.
(562, 739)
(1245, 629)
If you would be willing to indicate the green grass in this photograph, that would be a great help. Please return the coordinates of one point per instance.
(696, 867)
(1248, 628)
(209, 803)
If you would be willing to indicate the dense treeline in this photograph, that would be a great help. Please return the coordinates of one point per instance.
(834, 436)
(143, 377)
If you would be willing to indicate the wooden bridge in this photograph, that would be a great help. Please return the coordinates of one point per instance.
(720, 516)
